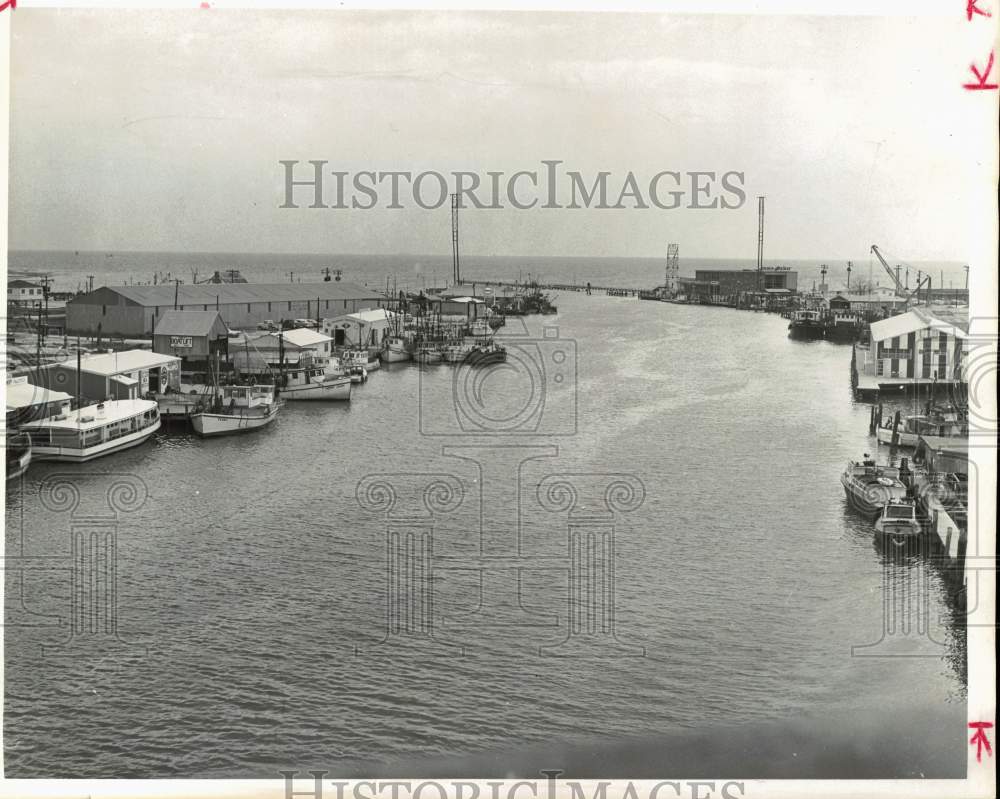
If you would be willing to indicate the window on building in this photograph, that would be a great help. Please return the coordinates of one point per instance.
(269, 307)
(248, 307)
(104, 310)
(328, 305)
(204, 307)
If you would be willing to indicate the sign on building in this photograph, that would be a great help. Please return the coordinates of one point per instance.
(181, 342)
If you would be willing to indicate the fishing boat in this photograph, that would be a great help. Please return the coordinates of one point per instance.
(486, 354)
(427, 353)
(395, 350)
(18, 455)
(869, 486)
(235, 409)
(456, 353)
(315, 383)
(898, 519)
(941, 421)
(93, 431)
(844, 327)
(806, 325)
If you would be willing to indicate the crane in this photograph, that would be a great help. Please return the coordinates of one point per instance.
(893, 276)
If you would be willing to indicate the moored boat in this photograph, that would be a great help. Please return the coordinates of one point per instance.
(940, 421)
(18, 449)
(395, 350)
(427, 354)
(93, 431)
(869, 486)
(806, 325)
(456, 353)
(235, 409)
(486, 354)
(315, 384)
(898, 519)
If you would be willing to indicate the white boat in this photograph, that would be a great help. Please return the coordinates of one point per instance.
(235, 409)
(456, 353)
(942, 423)
(360, 358)
(898, 519)
(94, 431)
(18, 455)
(427, 354)
(869, 486)
(394, 350)
(315, 384)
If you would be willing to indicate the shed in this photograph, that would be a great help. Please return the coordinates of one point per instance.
(191, 335)
(129, 374)
(26, 401)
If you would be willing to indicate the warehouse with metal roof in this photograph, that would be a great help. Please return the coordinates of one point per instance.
(133, 311)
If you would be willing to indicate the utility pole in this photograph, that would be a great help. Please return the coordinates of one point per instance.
(90, 283)
(291, 277)
(177, 289)
(455, 263)
(848, 276)
(43, 323)
(966, 277)
(326, 274)
(760, 238)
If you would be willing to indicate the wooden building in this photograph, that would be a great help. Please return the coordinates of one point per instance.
(130, 374)
(193, 336)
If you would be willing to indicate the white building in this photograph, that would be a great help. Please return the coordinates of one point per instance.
(913, 347)
(368, 328)
(22, 291)
(26, 402)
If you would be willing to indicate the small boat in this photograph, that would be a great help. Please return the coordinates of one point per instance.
(845, 327)
(942, 421)
(18, 455)
(486, 354)
(870, 486)
(899, 519)
(361, 358)
(427, 354)
(394, 350)
(235, 409)
(806, 325)
(456, 353)
(93, 431)
(315, 384)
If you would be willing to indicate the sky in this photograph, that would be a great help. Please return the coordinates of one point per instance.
(161, 131)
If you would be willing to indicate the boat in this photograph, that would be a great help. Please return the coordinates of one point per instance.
(395, 350)
(235, 409)
(869, 486)
(18, 455)
(940, 421)
(806, 325)
(486, 354)
(315, 383)
(93, 431)
(898, 519)
(427, 354)
(456, 353)
(844, 327)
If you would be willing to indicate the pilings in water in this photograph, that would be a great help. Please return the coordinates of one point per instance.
(895, 429)
(875, 419)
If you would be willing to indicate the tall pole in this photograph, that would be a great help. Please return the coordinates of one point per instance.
(760, 238)
(455, 260)
(966, 277)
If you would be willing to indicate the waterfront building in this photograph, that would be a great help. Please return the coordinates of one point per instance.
(729, 282)
(21, 291)
(263, 353)
(468, 308)
(910, 349)
(367, 328)
(193, 336)
(133, 311)
(26, 402)
(129, 374)
(877, 303)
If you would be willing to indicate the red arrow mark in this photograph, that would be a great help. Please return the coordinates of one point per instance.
(12, 4)
(981, 77)
(979, 739)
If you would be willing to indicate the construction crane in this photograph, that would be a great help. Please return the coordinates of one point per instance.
(893, 275)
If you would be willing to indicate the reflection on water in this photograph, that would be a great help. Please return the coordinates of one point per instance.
(258, 627)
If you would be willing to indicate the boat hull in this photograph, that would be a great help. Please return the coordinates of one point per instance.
(222, 424)
(903, 439)
(18, 465)
(485, 358)
(42, 452)
(805, 332)
(328, 390)
(903, 528)
(392, 355)
(871, 498)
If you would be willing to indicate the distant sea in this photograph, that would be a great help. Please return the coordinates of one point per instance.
(71, 270)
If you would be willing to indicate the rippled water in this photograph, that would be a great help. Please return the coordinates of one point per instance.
(252, 585)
